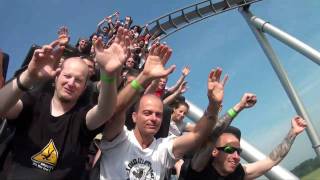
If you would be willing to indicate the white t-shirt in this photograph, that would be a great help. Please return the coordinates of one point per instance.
(176, 128)
(123, 158)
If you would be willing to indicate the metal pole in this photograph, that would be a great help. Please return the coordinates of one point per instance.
(291, 92)
(249, 153)
(284, 37)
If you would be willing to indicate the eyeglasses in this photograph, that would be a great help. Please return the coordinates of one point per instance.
(229, 149)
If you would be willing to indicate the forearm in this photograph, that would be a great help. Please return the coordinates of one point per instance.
(195, 138)
(100, 23)
(256, 169)
(222, 123)
(108, 93)
(170, 98)
(10, 93)
(178, 83)
(282, 149)
(152, 87)
(129, 94)
(201, 157)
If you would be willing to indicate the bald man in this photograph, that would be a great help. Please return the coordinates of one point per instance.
(53, 130)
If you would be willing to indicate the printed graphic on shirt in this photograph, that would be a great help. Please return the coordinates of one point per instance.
(47, 158)
(140, 169)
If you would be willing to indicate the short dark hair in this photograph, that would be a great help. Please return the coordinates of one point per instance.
(181, 103)
(233, 130)
(137, 105)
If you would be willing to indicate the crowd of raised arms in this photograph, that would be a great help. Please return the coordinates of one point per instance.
(102, 110)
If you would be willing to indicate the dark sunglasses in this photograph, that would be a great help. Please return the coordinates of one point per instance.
(230, 149)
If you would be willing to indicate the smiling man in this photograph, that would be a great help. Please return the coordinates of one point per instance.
(137, 154)
(225, 156)
(53, 130)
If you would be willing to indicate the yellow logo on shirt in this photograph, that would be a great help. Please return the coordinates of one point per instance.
(47, 158)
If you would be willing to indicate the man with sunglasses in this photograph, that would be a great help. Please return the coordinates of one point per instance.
(225, 156)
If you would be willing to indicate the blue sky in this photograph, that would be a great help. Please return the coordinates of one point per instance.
(225, 41)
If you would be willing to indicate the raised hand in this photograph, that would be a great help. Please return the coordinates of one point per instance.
(159, 55)
(215, 86)
(298, 124)
(183, 87)
(63, 37)
(248, 100)
(44, 61)
(112, 59)
(186, 71)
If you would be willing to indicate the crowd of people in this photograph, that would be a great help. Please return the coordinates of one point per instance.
(102, 110)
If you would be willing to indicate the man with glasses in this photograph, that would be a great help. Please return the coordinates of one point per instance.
(225, 156)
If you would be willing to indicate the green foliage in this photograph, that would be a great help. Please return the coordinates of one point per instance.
(306, 167)
(314, 175)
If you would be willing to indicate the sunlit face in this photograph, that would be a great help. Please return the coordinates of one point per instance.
(105, 30)
(71, 81)
(82, 44)
(94, 38)
(130, 62)
(162, 83)
(226, 163)
(149, 116)
(179, 113)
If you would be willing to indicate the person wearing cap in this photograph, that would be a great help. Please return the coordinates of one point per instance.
(225, 156)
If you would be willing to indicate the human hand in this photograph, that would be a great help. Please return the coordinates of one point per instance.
(298, 124)
(159, 55)
(112, 58)
(248, 100)
(44, 61)
(63, 37)
(216, 86)
(186, 71)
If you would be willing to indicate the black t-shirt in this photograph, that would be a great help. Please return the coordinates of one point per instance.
(209, 173)
(48, 147)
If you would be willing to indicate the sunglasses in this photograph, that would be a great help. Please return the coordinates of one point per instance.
(230, 149)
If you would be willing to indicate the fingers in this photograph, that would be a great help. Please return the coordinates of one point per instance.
(118, 35)
(166, 56)
(98, 45)
(211, 75)
(300, 121)
(169, 70)
(57, 53)
(215, 75)
(225, 79)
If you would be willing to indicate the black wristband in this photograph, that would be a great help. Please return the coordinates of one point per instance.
(20, 86)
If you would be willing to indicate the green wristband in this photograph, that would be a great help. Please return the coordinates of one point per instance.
(232, 113)
(106, 79)
(135, 85)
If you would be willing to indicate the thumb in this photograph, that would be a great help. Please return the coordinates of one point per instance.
(169, 70)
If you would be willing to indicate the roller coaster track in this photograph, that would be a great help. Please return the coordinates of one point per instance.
(170, 23)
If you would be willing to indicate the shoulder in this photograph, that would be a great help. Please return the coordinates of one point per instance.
(125, 135)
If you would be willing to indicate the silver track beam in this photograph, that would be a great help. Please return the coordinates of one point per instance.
(286, 38)
(170, 23)
(283, 77)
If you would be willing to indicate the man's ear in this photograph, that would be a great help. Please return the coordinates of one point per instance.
(134, 117)
(215, 152)
(57, 73)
